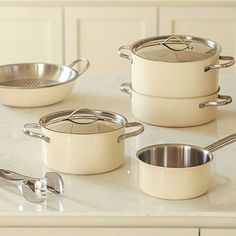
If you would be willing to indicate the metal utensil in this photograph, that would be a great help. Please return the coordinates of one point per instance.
(35, 189)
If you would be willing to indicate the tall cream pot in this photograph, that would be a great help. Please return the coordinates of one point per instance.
(83, 153)
(174, 112)
(174, 79)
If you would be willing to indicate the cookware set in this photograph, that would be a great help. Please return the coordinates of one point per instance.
(175, 83)
(174, 70)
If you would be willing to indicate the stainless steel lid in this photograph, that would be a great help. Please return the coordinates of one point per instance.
(83, 121)
(175, 48)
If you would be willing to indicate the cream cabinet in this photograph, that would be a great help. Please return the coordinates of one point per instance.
(31, 34)
(218, 232)
(216, 23)
(97, 32)
(98, 231)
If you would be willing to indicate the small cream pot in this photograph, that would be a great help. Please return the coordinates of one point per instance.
(175, 66)
(177, 171)
(83, 141)
(174, 112)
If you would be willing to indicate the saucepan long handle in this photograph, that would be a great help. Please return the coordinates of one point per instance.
(221, 143)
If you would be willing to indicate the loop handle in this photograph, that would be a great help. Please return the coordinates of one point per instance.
(78, 61)
(220, 66)
(126, 88)
(225, 99)
(121, 54)
(83, 113)
(27, 131)
(174, 38)
(131, 134)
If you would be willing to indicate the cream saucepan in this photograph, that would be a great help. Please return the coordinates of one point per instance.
(177, 171)
(83, 141)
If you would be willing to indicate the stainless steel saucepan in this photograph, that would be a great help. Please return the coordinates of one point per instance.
(177, 171)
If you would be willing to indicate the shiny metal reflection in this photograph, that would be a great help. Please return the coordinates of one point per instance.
(174, 155)
(35, 75)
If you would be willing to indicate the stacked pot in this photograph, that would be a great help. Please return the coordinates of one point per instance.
(175, 80)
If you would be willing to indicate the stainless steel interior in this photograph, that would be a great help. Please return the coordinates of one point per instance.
(35, 75)
(174, 155)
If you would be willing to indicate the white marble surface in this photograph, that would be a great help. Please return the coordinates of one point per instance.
(113, 199)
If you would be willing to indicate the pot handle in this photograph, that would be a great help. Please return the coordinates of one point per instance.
(225, 99)
(126, 88)
(131, 134)
(83, 113)
(178, 39)
(224, 65)
(27, 131)
(221, 143)
(121, 54)
(81, 60)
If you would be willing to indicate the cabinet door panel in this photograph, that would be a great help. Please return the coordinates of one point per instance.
(218, 232)
(218, 24)
(30, 34)
(97, 32)
(98, 231)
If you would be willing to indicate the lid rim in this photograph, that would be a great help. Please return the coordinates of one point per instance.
(207, 42)
(64, 112)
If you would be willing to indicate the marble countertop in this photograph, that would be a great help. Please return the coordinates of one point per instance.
(114, 199)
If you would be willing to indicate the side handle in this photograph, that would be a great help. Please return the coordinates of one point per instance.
(122, 54)
(230, 62)
(27, 131)
(126, 88)
(223, 100)
(131, 134)
(79, 61)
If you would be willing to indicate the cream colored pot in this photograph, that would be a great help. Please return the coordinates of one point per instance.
(38, 84)
(175, 66)
(83, 141)
(177, 171)
(174, 112)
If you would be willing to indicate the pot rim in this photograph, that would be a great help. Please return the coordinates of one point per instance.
(189, 37)
(211, 156)
(118, 116)
(175, 98)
